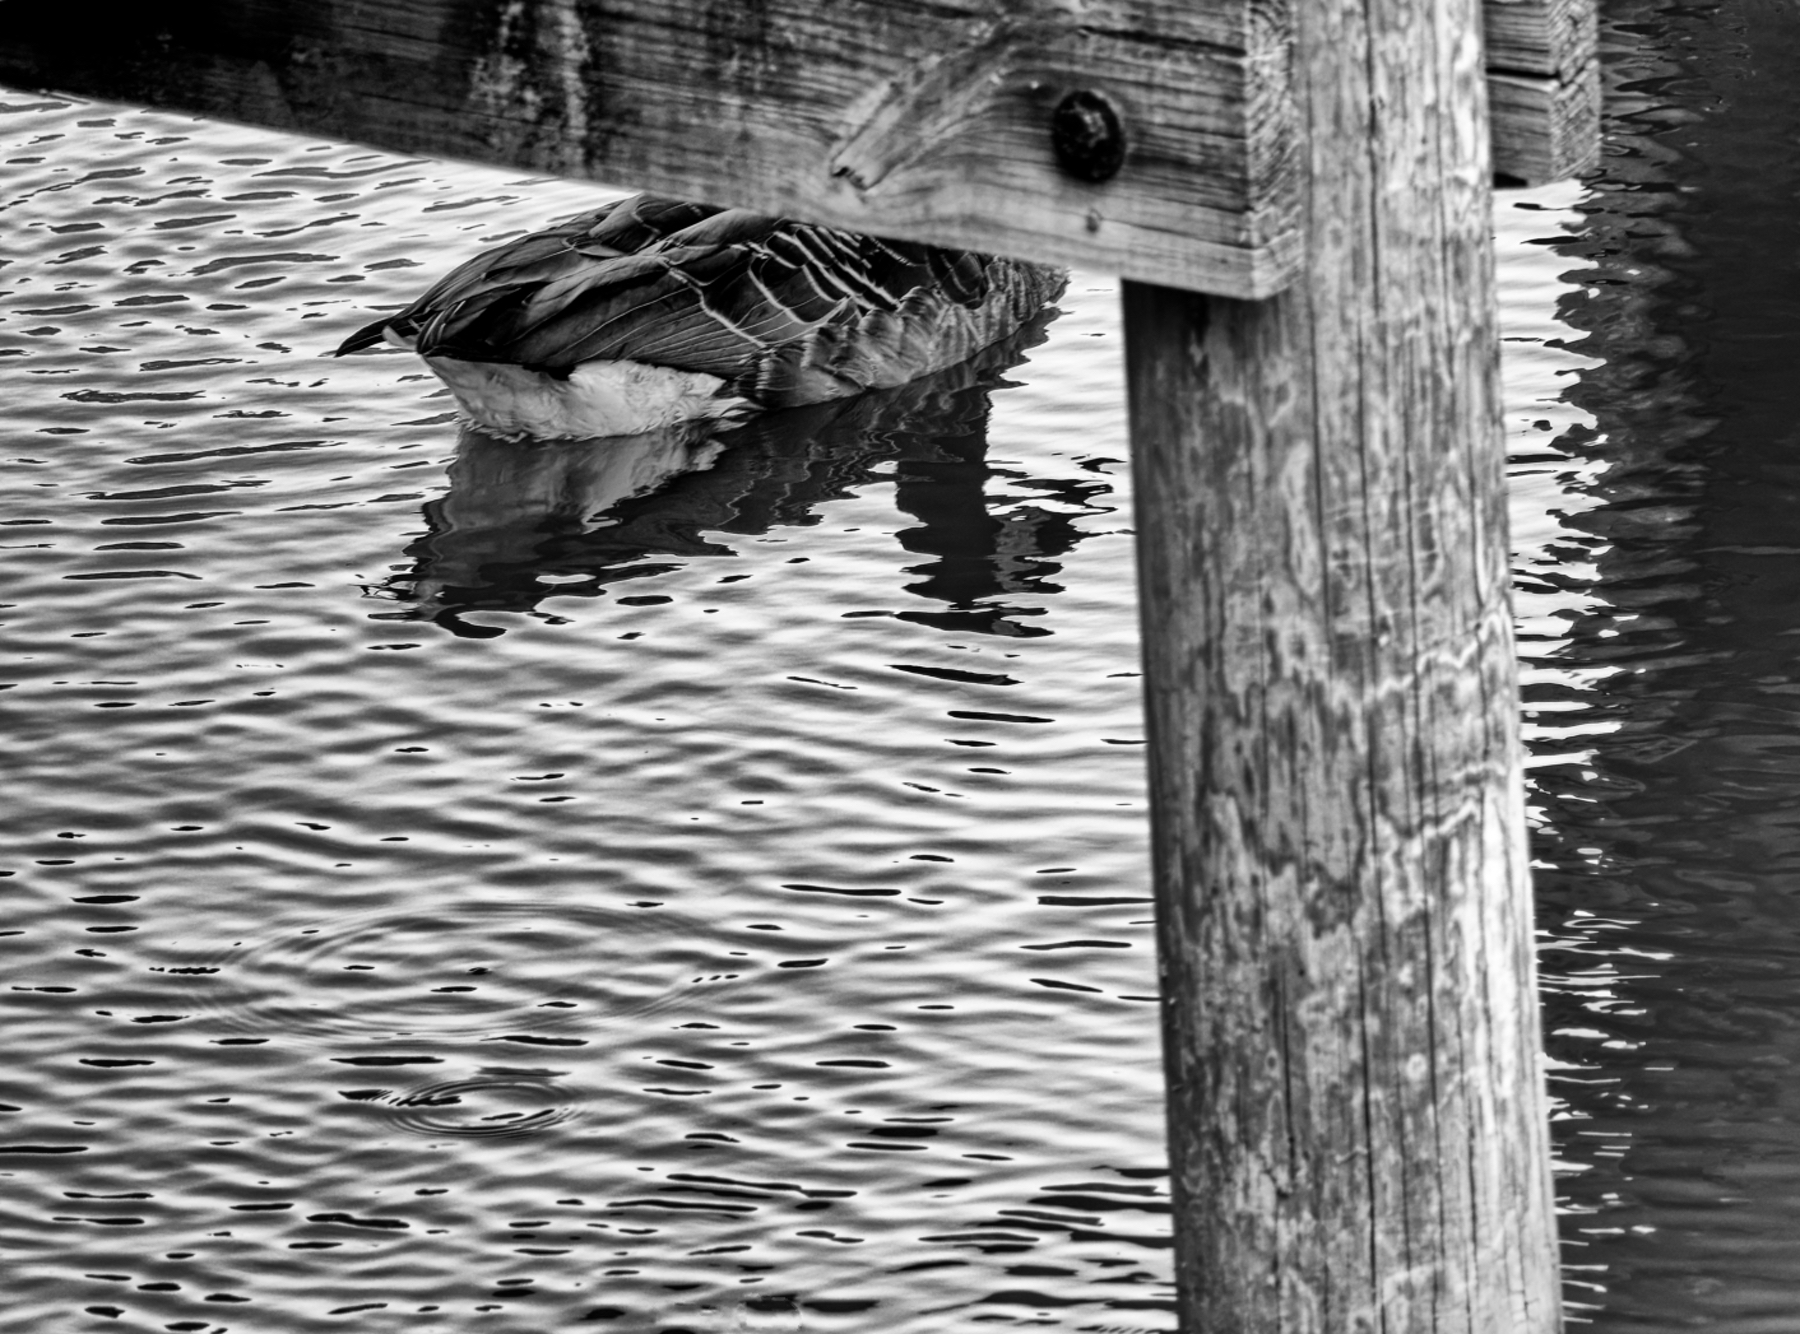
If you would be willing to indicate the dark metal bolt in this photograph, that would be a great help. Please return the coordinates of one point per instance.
(1088, 136)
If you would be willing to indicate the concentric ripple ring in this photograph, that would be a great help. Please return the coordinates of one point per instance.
(472, 970)
(491, 1107)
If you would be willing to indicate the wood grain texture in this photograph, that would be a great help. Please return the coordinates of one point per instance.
(1550, 37)
(922, 119)
(1357, 1115)
(1543, 87)
(1545, 129)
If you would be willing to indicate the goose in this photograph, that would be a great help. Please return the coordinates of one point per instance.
(652, 313)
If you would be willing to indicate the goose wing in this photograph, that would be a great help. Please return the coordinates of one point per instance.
(784, 311)
(918, 309)
(715, 296)
(557, 253)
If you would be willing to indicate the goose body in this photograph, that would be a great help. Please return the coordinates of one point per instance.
(651, 312)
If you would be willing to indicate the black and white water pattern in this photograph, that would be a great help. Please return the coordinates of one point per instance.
(453, 885)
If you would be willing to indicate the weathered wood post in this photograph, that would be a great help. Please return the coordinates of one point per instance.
(1355, 1106)
(1356, 1115)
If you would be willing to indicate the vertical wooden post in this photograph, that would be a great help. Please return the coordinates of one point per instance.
(1356, 1110)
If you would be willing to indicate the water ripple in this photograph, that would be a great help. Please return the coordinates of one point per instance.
(493, 1105)
(475, 970)
(776, 784)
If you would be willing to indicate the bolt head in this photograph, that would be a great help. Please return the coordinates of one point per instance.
(1088, 136)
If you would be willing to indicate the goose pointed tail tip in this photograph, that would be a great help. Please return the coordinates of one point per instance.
(367, 336)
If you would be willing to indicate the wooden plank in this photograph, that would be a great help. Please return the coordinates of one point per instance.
(1547, 37)
(1358, 1126)
(1543, 87)
(1545, 129)
(925, 119)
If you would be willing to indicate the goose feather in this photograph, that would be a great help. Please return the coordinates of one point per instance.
(650, 311)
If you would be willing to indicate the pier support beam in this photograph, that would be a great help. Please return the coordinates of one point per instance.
(1357, 1116)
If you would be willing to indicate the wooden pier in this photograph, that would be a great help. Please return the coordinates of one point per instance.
(1297, 192)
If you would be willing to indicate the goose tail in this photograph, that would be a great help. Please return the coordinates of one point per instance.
(367, 336)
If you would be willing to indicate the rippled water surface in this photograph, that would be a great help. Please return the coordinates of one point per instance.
(1661, 618)
(680, 888)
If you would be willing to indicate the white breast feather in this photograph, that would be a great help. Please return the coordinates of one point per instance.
(597, 398)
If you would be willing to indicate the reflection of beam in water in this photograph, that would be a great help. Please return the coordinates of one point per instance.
(981, 554)
(523, 521)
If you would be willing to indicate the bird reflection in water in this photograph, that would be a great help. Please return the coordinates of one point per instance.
(525, 521)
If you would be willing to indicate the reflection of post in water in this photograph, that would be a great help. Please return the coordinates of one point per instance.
(982, 554)
(524, 520)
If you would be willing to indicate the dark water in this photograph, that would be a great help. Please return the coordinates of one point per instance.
(680, 889)
(1668, 694)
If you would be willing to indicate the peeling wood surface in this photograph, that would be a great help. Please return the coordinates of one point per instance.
(1358, 1124)
(926, 119)
(1543, 87)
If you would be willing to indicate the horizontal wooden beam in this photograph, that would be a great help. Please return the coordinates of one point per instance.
(934, 120)
(1543, 87)
(1545, 129)
(1555, 37)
